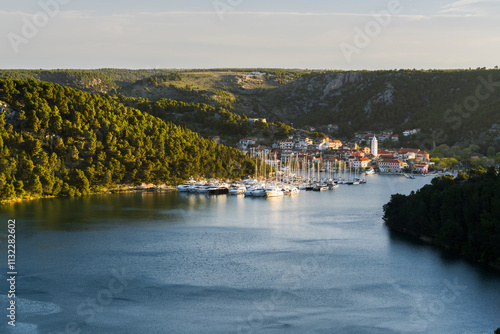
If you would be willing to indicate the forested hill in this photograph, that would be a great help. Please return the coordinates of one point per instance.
(461, 214)
(56, 140)
(102, 80)
(453, 107)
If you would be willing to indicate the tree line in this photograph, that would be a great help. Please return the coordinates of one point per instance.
(69, 142)
(460, 214)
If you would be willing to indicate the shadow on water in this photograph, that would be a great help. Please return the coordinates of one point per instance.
(87, 212)
(448, 258)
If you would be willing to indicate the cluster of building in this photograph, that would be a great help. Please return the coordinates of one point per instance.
(333, 152)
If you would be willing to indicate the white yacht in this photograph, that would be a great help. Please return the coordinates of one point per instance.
(273, 191)
(291, 190)
(203, 189)
(237, 189)
(249, 191)
(184, 187)
(259, 192)
(333, 186)
(194, 187)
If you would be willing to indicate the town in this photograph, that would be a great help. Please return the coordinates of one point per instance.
(361, 153)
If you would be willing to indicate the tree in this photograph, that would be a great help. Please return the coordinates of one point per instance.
(491, 152)
(34, 186)
(32, 146)
(474, 148)
(80, 182)
(19, 187)
(8, 192)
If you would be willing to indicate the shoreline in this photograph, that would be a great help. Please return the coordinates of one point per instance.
(431, 241)
(117, 190)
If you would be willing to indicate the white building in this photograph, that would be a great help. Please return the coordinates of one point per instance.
(360, 163)
(245, 142)
(411, 132)
(391, 165)
(286, 144)
(374, 147)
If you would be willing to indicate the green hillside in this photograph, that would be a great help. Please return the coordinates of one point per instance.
(56, 140)
(101, 80)
(450, 106)
(461, 214)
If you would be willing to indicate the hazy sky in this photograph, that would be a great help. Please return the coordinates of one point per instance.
(333, 34)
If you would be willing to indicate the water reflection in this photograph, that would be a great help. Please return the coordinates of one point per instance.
(84, 212)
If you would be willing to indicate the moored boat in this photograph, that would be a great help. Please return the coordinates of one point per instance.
(237, 189)
(274, 191)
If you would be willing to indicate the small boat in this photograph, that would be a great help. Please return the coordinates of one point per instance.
(237, 190)
(185, 186)
(195, 186)
(274, 191)
(321, 187)
(251, 189)
(370, 171)
(203, 189)
(302, 186)
(221, 189)
(259, 192)
(290, 190)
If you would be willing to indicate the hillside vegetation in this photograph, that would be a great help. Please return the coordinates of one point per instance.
(102, 81)
(452, 107)
(460, 214)
(56, 140)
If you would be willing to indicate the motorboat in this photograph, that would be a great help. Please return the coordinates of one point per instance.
(370, 171)
(237, 189)
(259, 192)
(274, 191)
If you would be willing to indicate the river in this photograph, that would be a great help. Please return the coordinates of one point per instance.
(167, 262)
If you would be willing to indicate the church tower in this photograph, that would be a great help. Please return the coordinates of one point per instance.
(374, 147)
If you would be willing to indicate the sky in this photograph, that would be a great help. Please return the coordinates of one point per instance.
(313, 34)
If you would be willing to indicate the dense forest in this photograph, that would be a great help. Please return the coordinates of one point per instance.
(56, 140)
(461, 214)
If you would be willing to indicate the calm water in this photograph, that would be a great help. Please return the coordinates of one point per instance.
(176, 263)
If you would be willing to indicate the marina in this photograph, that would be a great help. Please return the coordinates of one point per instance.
(287, 177)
